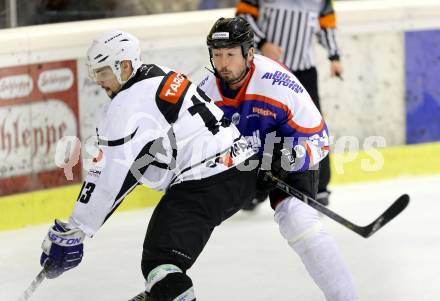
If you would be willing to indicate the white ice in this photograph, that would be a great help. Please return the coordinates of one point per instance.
(246, 258)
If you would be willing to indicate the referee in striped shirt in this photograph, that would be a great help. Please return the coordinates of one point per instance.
(284, 30)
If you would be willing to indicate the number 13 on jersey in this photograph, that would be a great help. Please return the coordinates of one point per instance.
(86, 192)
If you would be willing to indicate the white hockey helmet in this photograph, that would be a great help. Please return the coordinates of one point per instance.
(110, 49)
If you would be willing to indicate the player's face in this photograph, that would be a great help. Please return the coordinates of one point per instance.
(107, 80)
(230, 64)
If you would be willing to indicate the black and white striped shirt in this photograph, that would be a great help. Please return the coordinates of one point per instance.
(292, 24)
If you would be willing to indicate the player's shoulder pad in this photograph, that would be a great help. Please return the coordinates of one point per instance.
(173, 87)
(151, 70)
(144, 72)
(170, 94)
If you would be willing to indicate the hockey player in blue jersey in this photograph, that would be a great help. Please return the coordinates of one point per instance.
(276, 114)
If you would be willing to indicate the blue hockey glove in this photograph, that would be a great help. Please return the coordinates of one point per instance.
(62, 249)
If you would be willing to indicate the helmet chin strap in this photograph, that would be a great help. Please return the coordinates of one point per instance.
(117, 70)
(122, 82)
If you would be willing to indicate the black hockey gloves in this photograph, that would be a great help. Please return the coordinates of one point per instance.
(283, 163)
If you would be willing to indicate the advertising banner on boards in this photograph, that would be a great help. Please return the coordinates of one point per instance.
(38, 106)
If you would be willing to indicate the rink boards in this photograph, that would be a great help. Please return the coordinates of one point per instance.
(42, 71)
(38, 207)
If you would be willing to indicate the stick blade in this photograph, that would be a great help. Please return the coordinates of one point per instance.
(395, 209)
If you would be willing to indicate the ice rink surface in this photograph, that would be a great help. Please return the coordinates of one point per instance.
(246, 258)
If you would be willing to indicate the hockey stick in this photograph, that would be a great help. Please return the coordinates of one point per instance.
(34, 285)
(365, 231)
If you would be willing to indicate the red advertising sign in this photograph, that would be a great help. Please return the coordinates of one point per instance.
(38, 106)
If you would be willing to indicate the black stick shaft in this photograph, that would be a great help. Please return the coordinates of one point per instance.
(365, 231)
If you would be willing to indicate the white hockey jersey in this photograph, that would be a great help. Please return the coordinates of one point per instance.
(159, 130)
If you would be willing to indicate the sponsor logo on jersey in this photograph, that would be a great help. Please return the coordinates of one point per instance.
(264, 112)
(98, 157)
(300, 151)
(235, 118)
(226, 160)
(94, 173)
(203, 82)
(174, 88)
(322, 143)
(238, 148)
(254, 140)
(281, 78)
(97, 164)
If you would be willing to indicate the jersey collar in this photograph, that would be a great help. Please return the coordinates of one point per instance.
(235, 102)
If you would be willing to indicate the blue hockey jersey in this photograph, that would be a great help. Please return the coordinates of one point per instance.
(272, 103)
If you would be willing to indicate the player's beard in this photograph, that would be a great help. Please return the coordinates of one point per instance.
(110, 92)
(234, 80)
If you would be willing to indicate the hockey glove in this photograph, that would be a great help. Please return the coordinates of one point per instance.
(62, 249)
(283, 164)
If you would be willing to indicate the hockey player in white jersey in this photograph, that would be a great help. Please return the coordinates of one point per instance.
(160, 130)
(266, 102)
